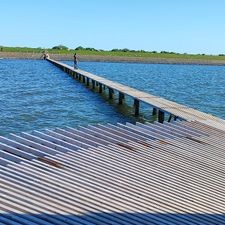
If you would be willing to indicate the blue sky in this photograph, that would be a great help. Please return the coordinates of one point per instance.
(192, 26)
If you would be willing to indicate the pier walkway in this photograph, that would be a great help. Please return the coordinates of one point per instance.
(159, 105)
(171, 173)
(161, 173)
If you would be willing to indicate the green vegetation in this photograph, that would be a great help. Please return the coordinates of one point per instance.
(61, 49)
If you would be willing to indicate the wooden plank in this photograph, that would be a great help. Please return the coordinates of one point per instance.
(174, 171)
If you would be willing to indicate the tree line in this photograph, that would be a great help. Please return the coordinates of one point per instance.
(63, 47)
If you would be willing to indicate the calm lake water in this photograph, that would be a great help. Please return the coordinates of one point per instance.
(37, 95)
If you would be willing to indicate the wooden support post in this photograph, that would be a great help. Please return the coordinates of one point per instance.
(110, 93)
(88, 79)
(121, 97)
(175, 118)
(79, 75)
(161, 116)
(100, 88)
(136, 107)
(154, 112)
(103, 87)
(97, 84)
(83, 79)
(93, 84)
(170, 117)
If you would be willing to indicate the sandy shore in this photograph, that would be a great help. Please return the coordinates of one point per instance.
(94, 58)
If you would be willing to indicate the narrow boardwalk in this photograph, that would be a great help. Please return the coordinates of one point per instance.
(171, 173)
(163, 173)
(161, 105)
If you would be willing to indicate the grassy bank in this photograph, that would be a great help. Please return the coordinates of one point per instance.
(120, 53)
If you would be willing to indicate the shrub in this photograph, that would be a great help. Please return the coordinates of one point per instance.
(115, 50)
(79, 48)
(90, 49)
(60, 47)
(164, 52)
(125, 50)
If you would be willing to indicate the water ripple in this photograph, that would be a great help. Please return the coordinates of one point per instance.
(37, 95)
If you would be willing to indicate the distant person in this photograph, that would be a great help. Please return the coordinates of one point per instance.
(75, 61)
(47, 56)
(43, 55)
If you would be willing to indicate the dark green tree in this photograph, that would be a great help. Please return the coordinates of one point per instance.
(60, 47)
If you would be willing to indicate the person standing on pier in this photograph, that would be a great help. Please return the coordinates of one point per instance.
(75, 61)
(45, 55)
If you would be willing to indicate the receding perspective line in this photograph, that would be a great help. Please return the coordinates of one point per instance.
(160, 105)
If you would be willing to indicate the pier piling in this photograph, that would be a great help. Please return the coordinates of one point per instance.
(93, 84)
(121, 98)
(170, 118)
(100, 88)
(161, 116)
(154, 112)
(83, 79)
(136, 107)
(88, 79)
(160, 105)
(110, 93)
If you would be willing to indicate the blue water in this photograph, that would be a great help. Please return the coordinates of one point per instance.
(197, 86)
(37, 95)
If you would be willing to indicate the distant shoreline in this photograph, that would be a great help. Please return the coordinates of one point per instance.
(125, 59)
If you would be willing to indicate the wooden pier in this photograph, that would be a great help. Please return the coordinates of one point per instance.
(162, 173)
(159, 105)
(171, 173)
